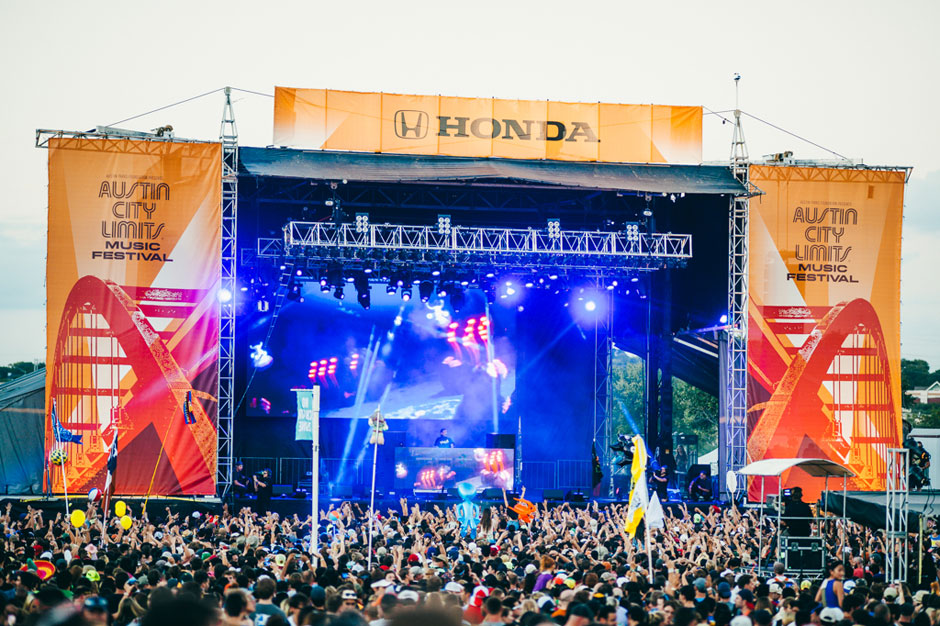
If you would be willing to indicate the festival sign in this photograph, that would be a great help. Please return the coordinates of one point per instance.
(824, 320)
(486, 127)
(133, 273)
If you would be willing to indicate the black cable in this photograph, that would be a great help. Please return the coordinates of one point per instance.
(257, 93)
(134, 117)
(784, 130)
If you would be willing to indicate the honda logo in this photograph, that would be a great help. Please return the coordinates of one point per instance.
(411, 124)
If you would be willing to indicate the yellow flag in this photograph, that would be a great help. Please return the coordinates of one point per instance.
(639, 496)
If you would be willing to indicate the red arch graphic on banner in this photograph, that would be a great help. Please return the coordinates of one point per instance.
(796, 417)
(156, 396)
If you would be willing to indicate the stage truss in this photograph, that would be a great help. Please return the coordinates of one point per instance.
(228, 135)
(734, 424)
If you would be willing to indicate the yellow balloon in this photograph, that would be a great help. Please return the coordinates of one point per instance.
(126, 522)
(77, 518)
(120, 509)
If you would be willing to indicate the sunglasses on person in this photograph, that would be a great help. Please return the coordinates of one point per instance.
(95, 604)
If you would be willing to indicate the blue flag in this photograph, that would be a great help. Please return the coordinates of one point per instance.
(188, 416)
(60, 432)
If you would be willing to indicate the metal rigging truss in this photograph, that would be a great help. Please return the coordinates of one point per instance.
(228, 134)
(735, 423)
(897, 508)
(569, 249)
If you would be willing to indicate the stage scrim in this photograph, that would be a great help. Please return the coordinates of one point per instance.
(824, 325)
(132, 312)
(487, 127)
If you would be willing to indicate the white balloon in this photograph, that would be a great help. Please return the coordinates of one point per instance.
(731, 479)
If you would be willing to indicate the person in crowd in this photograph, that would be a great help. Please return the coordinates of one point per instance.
(797, 514)
(569, 564)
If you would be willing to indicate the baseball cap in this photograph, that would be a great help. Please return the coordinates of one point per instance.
(408, 595)
(741, 620)
(724, 590)
(349, 594)
(831, 615)
(891, 593)
(699, 584)
(453, 587)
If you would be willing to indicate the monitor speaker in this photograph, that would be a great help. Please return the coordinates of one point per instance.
(553, 494)
(574, 496)
(496, 440)
(281, 490)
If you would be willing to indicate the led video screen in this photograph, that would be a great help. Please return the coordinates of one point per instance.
(438, 469)
(414, 359)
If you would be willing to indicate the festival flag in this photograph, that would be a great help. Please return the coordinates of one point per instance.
(655, 516)
(60, 432)
(112, 468)
(188, 415)
(639, 496)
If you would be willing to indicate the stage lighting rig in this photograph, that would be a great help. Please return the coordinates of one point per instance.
(625, 447)
(554, 228)
(443, 224)
(362, 223)
(424, 290)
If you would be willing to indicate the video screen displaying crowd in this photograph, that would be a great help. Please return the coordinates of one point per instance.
(564, 566)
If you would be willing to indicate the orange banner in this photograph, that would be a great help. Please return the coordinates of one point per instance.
(824, 320)
(132, 312)
(486, 127)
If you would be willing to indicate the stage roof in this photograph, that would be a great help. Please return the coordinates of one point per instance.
(394, 168)
(813, 467)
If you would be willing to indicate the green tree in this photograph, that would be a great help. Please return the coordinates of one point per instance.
(15, 370)
(694, 411)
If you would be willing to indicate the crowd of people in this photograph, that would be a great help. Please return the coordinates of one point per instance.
(565, 565)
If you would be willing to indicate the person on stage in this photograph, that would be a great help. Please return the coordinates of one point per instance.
(797, 514)
(700, 488)
(264, 489)
(660, 482)
(241, 485)
(443, 441)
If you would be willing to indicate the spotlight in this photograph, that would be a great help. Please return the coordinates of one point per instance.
(632, 232)
(263, 306)
(338, 292)
(324, 287)
(724, 319)
(590, 305)
(224, 295)
(363, 293)
(293, 291)
(406, 293)
(424, 290)
(554, 228)
(442, 289)
(260, 357)
(553, 274)
(458, 299)
(390, 289)
(362, 222)
(443, 224)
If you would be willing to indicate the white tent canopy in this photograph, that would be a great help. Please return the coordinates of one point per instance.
(813, 467)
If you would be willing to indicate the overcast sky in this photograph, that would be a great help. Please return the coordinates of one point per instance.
(856, 77)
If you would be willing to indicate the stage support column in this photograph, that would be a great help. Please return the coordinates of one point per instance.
(652, 368)
(665, 362)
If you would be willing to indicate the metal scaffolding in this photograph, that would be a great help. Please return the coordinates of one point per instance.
(897, 508)
(735, 362)
(228, 134)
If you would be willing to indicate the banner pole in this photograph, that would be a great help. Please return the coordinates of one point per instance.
(649, 550)
(65, 489)
(314, 496)
(375, 456)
